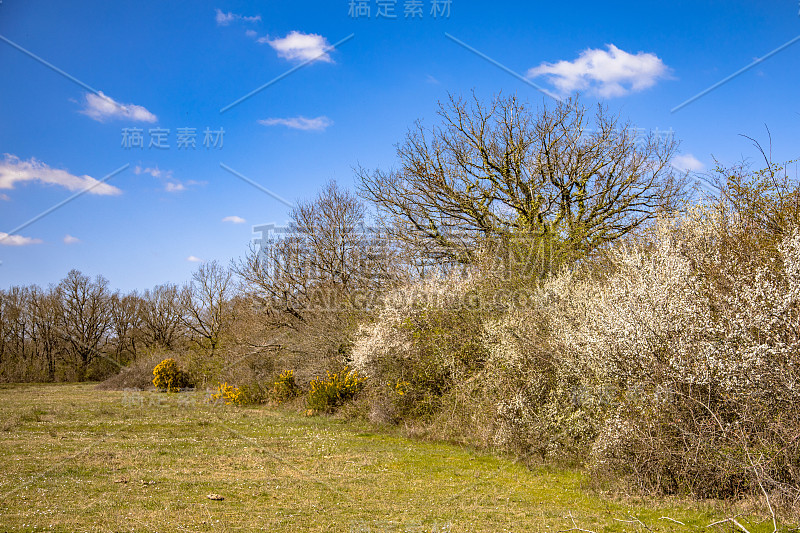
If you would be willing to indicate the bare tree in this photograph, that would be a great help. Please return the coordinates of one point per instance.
(160, 314)
(310, 287)
(86, 317)
(206, 302)
(328, 260)
(4, 325)
(30, 337)
(46, 312)
(15, 322)
(126, 322)
(498, 170)
(12, 327)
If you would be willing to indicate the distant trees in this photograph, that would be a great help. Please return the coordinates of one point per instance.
(310, 286)
(30, 332)
(15, 326)
(160, 315)
(85, 317)
(328, 256)
(126, 320)
(46, 316)
(498, 171)
(207, 304)
(79, 329)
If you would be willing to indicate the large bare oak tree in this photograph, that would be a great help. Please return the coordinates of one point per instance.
(500, 170)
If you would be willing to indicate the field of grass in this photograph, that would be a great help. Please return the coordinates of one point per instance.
(73, 458)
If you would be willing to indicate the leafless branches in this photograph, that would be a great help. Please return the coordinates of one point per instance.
(86, 315)
(207, 304)
(496, 170)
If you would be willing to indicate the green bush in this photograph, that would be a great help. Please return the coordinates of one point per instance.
(253, 394)
(327, 395)
(168, 377)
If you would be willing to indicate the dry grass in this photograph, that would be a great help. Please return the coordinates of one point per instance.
(73, 458)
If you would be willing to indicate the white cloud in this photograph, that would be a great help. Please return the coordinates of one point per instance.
(101, 107)
(178, 186)
(608, 73)
(14, 170)
(5, 197)
(171, 183)
(251, 33)
(193, 259)
(687, 162)
(234, 219)
(69, 239)
(154, 171)
(16, 240)
(299, 123)
(223, 19)
(300, 47)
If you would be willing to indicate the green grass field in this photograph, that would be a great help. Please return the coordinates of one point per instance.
(73, 458)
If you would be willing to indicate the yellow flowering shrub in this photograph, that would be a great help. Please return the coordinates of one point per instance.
(327, 394)
(399, 387)
(285, 388)
(229, 394)
(168, 377)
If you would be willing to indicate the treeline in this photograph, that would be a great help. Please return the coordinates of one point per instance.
(540, 282)
(80, 329)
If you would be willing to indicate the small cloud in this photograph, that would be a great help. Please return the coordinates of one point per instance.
(687, 163)
(251, 33)
(608, 73)
(154, 171)
(101, 107)
(69, 239)
(299, 123)
(174, 186)
(299, 46)
(5, 197)
(234, 219)
(171, 183)
(430, 79)
(14, 170)
(224, 19)
(16, 240)
(178, 186)
(193, 259)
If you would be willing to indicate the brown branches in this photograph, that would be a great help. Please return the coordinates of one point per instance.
(498, 170)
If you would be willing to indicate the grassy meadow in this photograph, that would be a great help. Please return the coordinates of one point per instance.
(73, 458)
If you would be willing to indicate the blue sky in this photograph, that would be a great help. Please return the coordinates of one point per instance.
(174, 65)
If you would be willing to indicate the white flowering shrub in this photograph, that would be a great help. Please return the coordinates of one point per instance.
(698, 337)
(547, 406)
(671, 362)
(477, 367)
(425, 339)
